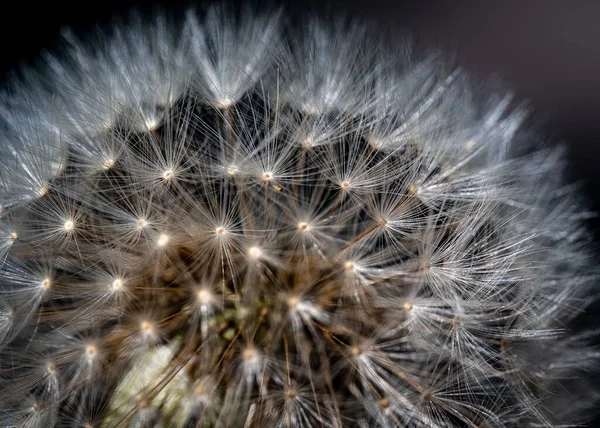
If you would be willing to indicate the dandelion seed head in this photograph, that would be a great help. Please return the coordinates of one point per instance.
(231, 221)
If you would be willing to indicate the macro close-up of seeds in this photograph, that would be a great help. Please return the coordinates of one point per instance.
(233, 220)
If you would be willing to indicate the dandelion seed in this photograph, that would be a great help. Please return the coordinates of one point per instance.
(151, 123)
(69, 225)
(303, 226)
(224, 103)
(91, 351)
(168, 175)
(163, 240)
(384, 403)
(254, 253)
(117, 284)
(293, 302)
(43, 190)
(146, 327)
(204, 297)
(109, 163)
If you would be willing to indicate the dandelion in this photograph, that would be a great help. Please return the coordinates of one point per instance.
(232, 222)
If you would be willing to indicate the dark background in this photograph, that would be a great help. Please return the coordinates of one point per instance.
(546, 51)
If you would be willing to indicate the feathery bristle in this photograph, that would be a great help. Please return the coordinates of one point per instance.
(225, 223)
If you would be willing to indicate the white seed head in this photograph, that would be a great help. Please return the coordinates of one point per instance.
(283, 225)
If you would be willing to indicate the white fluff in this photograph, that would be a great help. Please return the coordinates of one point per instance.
(230, 221)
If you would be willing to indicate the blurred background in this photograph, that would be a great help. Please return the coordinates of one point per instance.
(546, 51)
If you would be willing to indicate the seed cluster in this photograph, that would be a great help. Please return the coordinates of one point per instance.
(198, 233)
